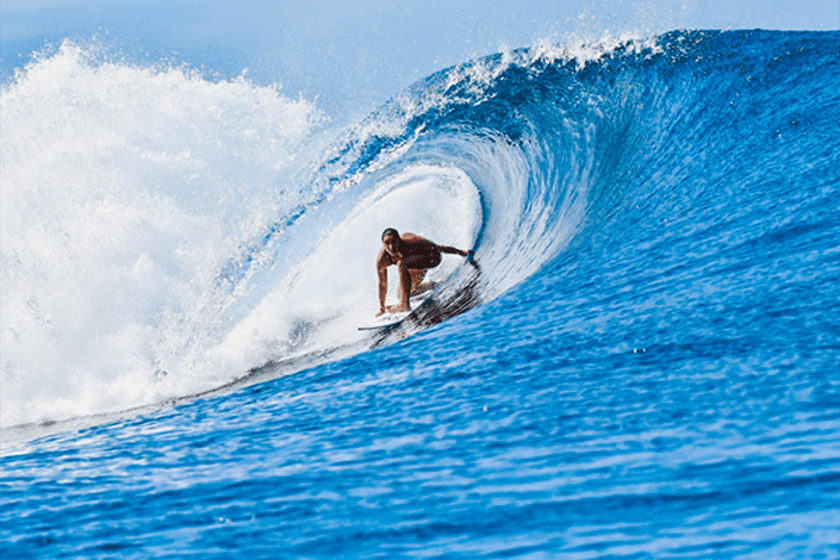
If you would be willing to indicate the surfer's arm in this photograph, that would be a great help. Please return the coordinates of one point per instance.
(382, 273)
(453, 250)
(430, 245)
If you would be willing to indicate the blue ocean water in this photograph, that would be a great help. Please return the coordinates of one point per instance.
(644, 365)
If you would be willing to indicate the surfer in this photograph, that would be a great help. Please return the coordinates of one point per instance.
(413, 256)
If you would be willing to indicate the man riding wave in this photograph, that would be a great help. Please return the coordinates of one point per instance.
(413, 256)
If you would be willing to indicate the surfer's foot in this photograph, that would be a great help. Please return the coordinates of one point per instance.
(401, 308)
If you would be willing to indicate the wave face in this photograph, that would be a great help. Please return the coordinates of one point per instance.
(653, 332)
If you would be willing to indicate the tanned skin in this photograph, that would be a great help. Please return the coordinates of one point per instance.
(413, 256)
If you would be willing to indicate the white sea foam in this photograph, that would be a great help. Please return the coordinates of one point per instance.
(124, 190)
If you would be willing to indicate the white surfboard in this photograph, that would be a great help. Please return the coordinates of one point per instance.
(390, 320)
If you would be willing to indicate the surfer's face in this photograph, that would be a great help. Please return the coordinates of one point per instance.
(391, 243)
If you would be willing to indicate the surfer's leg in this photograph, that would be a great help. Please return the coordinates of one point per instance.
(417, 264)
(417, 276)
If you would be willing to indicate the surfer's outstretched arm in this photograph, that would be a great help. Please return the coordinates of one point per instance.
(453, 251)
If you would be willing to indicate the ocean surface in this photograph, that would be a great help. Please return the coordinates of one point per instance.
(644, 364)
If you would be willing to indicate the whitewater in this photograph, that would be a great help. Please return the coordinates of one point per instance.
(644, 364)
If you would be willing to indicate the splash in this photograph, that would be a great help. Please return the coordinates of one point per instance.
(124, 190)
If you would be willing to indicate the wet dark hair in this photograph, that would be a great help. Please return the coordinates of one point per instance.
(390, 231)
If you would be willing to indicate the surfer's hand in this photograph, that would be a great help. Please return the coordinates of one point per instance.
(471, 260)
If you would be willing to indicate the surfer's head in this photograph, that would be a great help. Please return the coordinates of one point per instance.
(391, 240)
